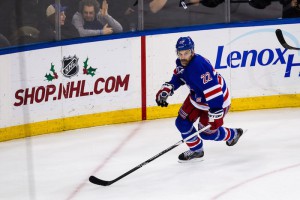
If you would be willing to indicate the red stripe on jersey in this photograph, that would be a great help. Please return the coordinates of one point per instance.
(213, 92)
(220, 80)
(228, 134)
(194, 143)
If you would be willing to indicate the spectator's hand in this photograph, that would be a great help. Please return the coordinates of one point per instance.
(107, 30)
(104, 8)
(294, 4)
(129, 11)
(195, 2)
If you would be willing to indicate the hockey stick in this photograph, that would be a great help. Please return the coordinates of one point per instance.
(282, 40)
(98, 181)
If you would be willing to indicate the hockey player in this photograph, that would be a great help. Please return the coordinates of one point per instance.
(208, 100)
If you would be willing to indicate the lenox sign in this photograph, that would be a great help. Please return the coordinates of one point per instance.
(253, 57)
(255, 53)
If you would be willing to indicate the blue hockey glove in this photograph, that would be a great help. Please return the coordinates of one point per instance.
(166, 90)
(215, 118)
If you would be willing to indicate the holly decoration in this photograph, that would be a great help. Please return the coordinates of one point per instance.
(88, 70)
(51, 77)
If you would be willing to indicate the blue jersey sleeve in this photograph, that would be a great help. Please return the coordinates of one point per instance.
(176, 81)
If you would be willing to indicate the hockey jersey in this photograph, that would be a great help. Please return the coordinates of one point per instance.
(208, 89)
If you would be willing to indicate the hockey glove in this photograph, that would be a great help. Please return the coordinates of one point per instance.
(215, 118)
(166, 90)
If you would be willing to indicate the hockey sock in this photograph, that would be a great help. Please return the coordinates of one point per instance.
(222, 134)
(186, 129)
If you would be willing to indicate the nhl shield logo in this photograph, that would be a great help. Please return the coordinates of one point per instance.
(70, 66)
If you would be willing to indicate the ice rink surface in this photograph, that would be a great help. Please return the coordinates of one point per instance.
(264, 164)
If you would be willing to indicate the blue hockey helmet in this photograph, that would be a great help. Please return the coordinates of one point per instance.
(184, 43)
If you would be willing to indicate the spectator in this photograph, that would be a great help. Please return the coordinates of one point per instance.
(291, 8)
(164, 14)
(7, 25)
(72, 7)
(178, 13)
(206, 11)
(47, 27)
(90, 20)
(125, 12)
(4, 41)
(16, 14)
(25, 35)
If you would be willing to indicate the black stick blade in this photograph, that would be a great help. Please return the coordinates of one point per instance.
(98, 181)
(280, 37)
(282, 41)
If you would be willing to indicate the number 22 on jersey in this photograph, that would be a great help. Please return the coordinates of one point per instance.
(206, 77)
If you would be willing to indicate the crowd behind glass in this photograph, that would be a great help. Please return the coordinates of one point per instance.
(33, 21)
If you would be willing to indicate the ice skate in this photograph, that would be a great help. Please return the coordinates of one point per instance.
(236, 138)
(191, 156)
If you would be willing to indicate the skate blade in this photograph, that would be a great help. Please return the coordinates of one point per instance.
(195, 160)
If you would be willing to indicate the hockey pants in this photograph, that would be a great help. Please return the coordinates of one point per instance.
(188, 114)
